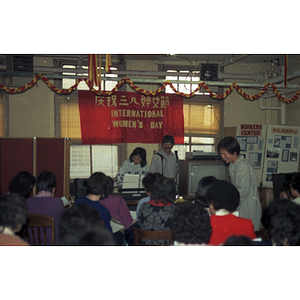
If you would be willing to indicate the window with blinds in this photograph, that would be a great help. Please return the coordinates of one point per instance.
(201, 119)
(69, 118)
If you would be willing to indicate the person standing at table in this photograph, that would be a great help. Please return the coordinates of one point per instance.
(242, 176)
(136, 164)
(165, 162)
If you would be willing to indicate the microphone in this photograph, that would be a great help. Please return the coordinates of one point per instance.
(155, 152)
(176, 154)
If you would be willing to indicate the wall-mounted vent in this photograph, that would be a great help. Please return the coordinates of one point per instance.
(3, 63)
(23, 63)
(209, 72)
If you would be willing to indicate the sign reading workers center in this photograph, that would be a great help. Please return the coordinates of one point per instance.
(128, 117)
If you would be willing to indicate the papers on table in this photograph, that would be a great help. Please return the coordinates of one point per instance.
(131, 181)
(117, 226)
(65, 201)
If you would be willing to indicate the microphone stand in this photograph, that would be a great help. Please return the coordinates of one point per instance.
(162, 165)
(175, 177)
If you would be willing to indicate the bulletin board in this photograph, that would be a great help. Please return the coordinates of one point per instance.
(251, 138)
(282, 151)
(270, 149)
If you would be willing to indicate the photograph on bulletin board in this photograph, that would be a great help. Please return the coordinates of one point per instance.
(283, 141)
(285, 155)
(272, 166)
(252, 139)
(294, 156)
(272, 153)
(255, 160)
(242, 142)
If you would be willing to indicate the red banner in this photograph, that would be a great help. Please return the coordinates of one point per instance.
(126, 117)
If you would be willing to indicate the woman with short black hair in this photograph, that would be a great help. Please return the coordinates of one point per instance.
(136, 164)
(155, 214)
(242, 176)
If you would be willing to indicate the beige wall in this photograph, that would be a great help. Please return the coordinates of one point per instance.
(31, 114)
(293, 109)
(238, 110)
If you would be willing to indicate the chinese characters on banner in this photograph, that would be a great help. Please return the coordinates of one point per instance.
(128, 117)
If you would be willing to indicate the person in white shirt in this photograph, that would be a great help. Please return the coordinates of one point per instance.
(165, 162)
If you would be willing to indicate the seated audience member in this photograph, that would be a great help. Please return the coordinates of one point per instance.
(295, 187)
(155, 214)
(224, 198)
(203, 186)
(239, 241)
(22, 184)
(148, 182)
(13, 215)
(95, 190)
(281, 219)
(285, 228)
(114, 203)
(286, 194)
(271, 210)
(82, 225)
(44, 203)
(94, 237)
(190, 225)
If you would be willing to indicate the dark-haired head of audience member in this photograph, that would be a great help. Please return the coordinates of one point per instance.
(295, 185)
(284, 223)
(46, 181)
(82, 224)
(239, 241)
(190, 224)
(100, 185)
(164, 189)
(13, 212)
(222, 195)
(148, 181)
(203, 186)
(94, 237)
(141, 152)
(22, 184)
(272, 209)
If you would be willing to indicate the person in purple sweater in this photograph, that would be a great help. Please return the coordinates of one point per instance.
(44, 203)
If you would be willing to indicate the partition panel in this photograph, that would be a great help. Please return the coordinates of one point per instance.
(16, 154)
(51, 156)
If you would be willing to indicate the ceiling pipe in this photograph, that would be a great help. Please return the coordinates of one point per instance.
(232, 60)
(159, 81)
(282, 107)
(255, 77)
(290, 76)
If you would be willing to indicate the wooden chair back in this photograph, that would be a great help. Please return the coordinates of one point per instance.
(151, 235)
(35, 229)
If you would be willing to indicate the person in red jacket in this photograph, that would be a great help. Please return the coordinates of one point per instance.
(223, 199)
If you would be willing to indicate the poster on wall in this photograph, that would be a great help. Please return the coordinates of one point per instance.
(251, 138)
(270, 149)
(282, 151)
(129, 117)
